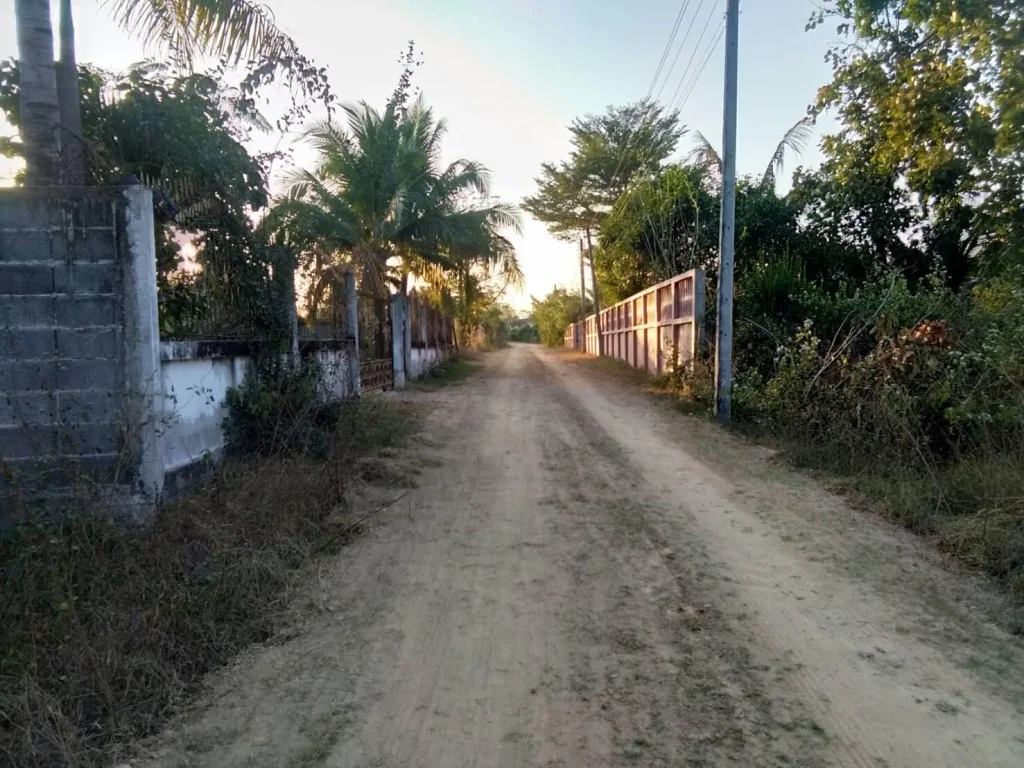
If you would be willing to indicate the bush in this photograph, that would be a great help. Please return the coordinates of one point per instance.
(278, 410)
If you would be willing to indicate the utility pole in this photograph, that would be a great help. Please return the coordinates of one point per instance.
(727, 239)
(583, 304)
(597, 300)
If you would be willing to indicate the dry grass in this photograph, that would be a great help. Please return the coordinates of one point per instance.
(107, 630)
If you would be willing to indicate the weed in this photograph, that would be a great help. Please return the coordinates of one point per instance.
(107, 629)
(447, 372)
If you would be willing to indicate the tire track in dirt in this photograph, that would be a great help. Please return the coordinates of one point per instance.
(886, 696)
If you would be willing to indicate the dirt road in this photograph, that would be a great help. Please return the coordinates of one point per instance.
(584, 578)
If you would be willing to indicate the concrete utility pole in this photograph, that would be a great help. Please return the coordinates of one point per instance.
(597, 300)
(727, 240)
(583, 304)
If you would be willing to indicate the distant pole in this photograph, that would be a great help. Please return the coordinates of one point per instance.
(597, 299)
(583, 304)
(727, 241)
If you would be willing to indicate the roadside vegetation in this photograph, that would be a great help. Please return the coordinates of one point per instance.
(880, 302)
(108, 629)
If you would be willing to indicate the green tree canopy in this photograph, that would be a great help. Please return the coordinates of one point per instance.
(930, 97)
(608, 152)
(554, 313)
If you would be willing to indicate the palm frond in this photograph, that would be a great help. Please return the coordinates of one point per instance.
(234, 29)
(794, 141)
(704, 155)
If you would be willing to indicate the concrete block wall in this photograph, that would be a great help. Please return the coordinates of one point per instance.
(69, 325)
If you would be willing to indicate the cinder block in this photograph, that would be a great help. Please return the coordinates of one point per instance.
(36, 474)
(25, 279)
(27, 344)
(87, 344)
(87, 374)
(17, 212)
(86, 311)
(28, 375)
(28, 442)
(75, 278)
(25, 246)
(20, 408)
(86, 407)
(90, 245)
(90, 439)
(25, 311)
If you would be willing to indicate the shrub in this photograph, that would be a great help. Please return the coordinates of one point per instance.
(277, 410)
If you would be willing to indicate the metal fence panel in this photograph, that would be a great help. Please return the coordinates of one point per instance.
(653, 330)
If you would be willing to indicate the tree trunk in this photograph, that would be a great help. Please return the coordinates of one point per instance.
(597, 299)
(40, 115)
(69, 101)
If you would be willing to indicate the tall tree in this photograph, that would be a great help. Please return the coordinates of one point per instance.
(380, 199)
(68, 98)
(609, 152)
(40, 116)
(931, 94)
(238, 30)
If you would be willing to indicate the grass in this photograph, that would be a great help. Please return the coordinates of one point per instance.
(107, 630)
(447, 372)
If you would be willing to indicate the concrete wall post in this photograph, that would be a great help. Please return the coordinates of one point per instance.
(142, 379)
(352, 332)
(398, 337)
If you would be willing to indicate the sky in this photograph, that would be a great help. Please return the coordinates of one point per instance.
(510, 76)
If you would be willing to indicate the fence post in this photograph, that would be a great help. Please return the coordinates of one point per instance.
(352, 332)
(291, 314)
(698, 314)
(398, 336)
(142, 383)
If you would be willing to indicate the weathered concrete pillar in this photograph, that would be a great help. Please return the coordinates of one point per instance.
(398, 337)
(698, 313)
(143, 390)
(352, 333)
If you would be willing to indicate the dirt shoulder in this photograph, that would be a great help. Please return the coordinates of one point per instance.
(568, 585)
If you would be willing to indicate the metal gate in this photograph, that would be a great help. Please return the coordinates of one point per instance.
(376, 363)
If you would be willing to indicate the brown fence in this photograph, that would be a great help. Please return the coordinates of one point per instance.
(429, 327)
(650, 329)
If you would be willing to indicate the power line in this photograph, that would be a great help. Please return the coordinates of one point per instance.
(654, 80)
(668, 47)
(707, 57)
(693, 56)
(679, 50)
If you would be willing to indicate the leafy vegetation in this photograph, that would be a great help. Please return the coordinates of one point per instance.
(878, 304)
(554, 313)
(108, 629)
(380, 202)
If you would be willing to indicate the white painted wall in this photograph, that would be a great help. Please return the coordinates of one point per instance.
(422, 359)
(194, 386)
(193, 404)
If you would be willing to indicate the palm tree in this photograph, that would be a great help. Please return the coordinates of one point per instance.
(795, 140)
(235, 29)
(40, 117)
(378, 198)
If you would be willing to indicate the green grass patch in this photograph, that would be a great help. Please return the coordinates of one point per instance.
(449, 372)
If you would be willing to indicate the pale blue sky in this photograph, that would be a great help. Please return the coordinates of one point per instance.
(510, 75)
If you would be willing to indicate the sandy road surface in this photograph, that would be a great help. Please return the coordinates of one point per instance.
(583, 578)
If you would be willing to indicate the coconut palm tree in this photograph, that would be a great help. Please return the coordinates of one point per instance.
(234, 29)
(378, 198)
(795, 140)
